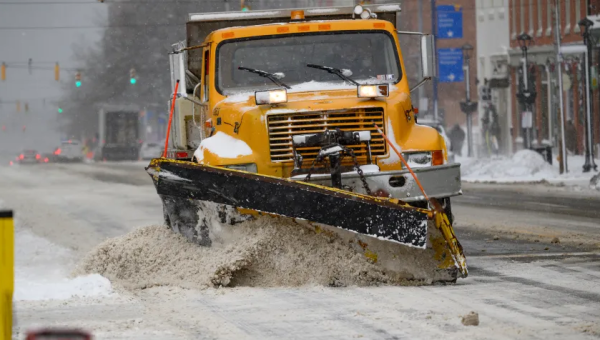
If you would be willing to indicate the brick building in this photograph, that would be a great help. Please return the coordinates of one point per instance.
(537, 18)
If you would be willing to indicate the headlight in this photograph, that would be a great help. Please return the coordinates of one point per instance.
(423, 159)
(366, 14)
(358, 9)
(363, 13)
(243, 167)
(270, 97)
(373, 91)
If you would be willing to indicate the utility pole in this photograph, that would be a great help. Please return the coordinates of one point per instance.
(468, 107)
(563, 150)
(585, 25)
(434, 81)
(420, 29)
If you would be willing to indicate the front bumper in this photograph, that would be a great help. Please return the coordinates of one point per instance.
(438, 181)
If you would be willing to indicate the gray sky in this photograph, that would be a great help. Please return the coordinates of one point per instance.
(38, 29)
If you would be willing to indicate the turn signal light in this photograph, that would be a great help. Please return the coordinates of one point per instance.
(437, 157)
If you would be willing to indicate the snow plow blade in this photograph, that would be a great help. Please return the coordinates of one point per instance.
(391, 233)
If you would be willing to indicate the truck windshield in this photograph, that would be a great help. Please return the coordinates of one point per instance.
(370, 56)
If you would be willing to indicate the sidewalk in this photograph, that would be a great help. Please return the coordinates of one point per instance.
(525, 166)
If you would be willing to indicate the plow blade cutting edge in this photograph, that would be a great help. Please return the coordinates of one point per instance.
(380, 222)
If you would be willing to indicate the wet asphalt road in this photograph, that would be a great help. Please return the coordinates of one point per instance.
(535, 198)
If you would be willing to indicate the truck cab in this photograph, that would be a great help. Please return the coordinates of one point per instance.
(267, 91)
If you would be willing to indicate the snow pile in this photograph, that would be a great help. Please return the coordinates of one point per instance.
(41, 272)
(266, 251)
(595, 182)
(231, 15)
(523, 166)
(222, 145)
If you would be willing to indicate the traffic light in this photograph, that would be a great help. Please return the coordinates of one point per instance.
(60, 110)
(245, 7)
(56, 72)
(18, 106)
(132, 78)
(3, 71)
(78, 79)
(26, 107)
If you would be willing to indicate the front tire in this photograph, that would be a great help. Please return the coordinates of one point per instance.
(447, 205)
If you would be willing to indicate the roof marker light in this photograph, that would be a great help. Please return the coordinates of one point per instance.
(297, 15)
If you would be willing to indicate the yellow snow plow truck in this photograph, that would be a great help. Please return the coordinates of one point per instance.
(307, 114)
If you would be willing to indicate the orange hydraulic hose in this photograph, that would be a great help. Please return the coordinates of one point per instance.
(403, 162)
(171, 119)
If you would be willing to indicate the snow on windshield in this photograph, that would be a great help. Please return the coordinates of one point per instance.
(370, 56)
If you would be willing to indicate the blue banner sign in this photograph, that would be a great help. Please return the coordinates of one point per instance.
(450, 65)
(449, 22)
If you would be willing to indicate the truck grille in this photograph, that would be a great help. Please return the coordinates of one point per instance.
(283, 126)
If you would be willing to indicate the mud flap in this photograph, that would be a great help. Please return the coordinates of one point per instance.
(179, 182)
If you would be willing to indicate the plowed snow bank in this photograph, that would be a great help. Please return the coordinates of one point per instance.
(263, 252)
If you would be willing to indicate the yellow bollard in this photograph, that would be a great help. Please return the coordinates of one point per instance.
(7, 238)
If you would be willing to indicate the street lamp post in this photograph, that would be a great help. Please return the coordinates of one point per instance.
(526, 96)
(585, 25)
(468, 107)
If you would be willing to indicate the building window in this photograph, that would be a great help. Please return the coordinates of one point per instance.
(550, 5)
(567, 16)
(539, 17)
(513, 18)
(531, 2)
(521, 11)
(576, 29)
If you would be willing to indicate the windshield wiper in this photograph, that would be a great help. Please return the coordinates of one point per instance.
(336, 71)
(270, 76)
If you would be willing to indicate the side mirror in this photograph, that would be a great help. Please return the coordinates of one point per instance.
(428, 63)
(427, 56)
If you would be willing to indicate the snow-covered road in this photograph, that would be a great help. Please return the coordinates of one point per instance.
(522, 285)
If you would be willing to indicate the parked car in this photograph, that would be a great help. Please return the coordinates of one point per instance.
(69, 151)
(28, 157)
(150, 150)
(440, 128)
